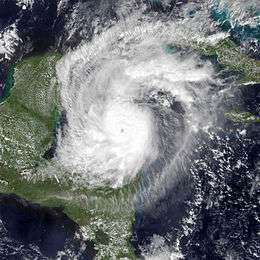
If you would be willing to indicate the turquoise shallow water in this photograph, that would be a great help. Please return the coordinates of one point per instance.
(222, 176)
(8, 84)
(239, 32)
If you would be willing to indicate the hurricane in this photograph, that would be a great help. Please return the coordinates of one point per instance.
(142, 104)
(155, 149)
(131, 102)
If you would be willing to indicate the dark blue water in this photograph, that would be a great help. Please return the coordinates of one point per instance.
(29, 226)
(227, 217)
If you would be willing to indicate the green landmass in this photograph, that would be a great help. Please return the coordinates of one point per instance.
(242, 117)
(28, 121)
(27, 117)
(228, 54)
(29, 112)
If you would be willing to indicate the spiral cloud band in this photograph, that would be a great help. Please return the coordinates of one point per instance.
(119, 92)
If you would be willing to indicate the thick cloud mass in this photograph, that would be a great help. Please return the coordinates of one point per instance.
(119, 116)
